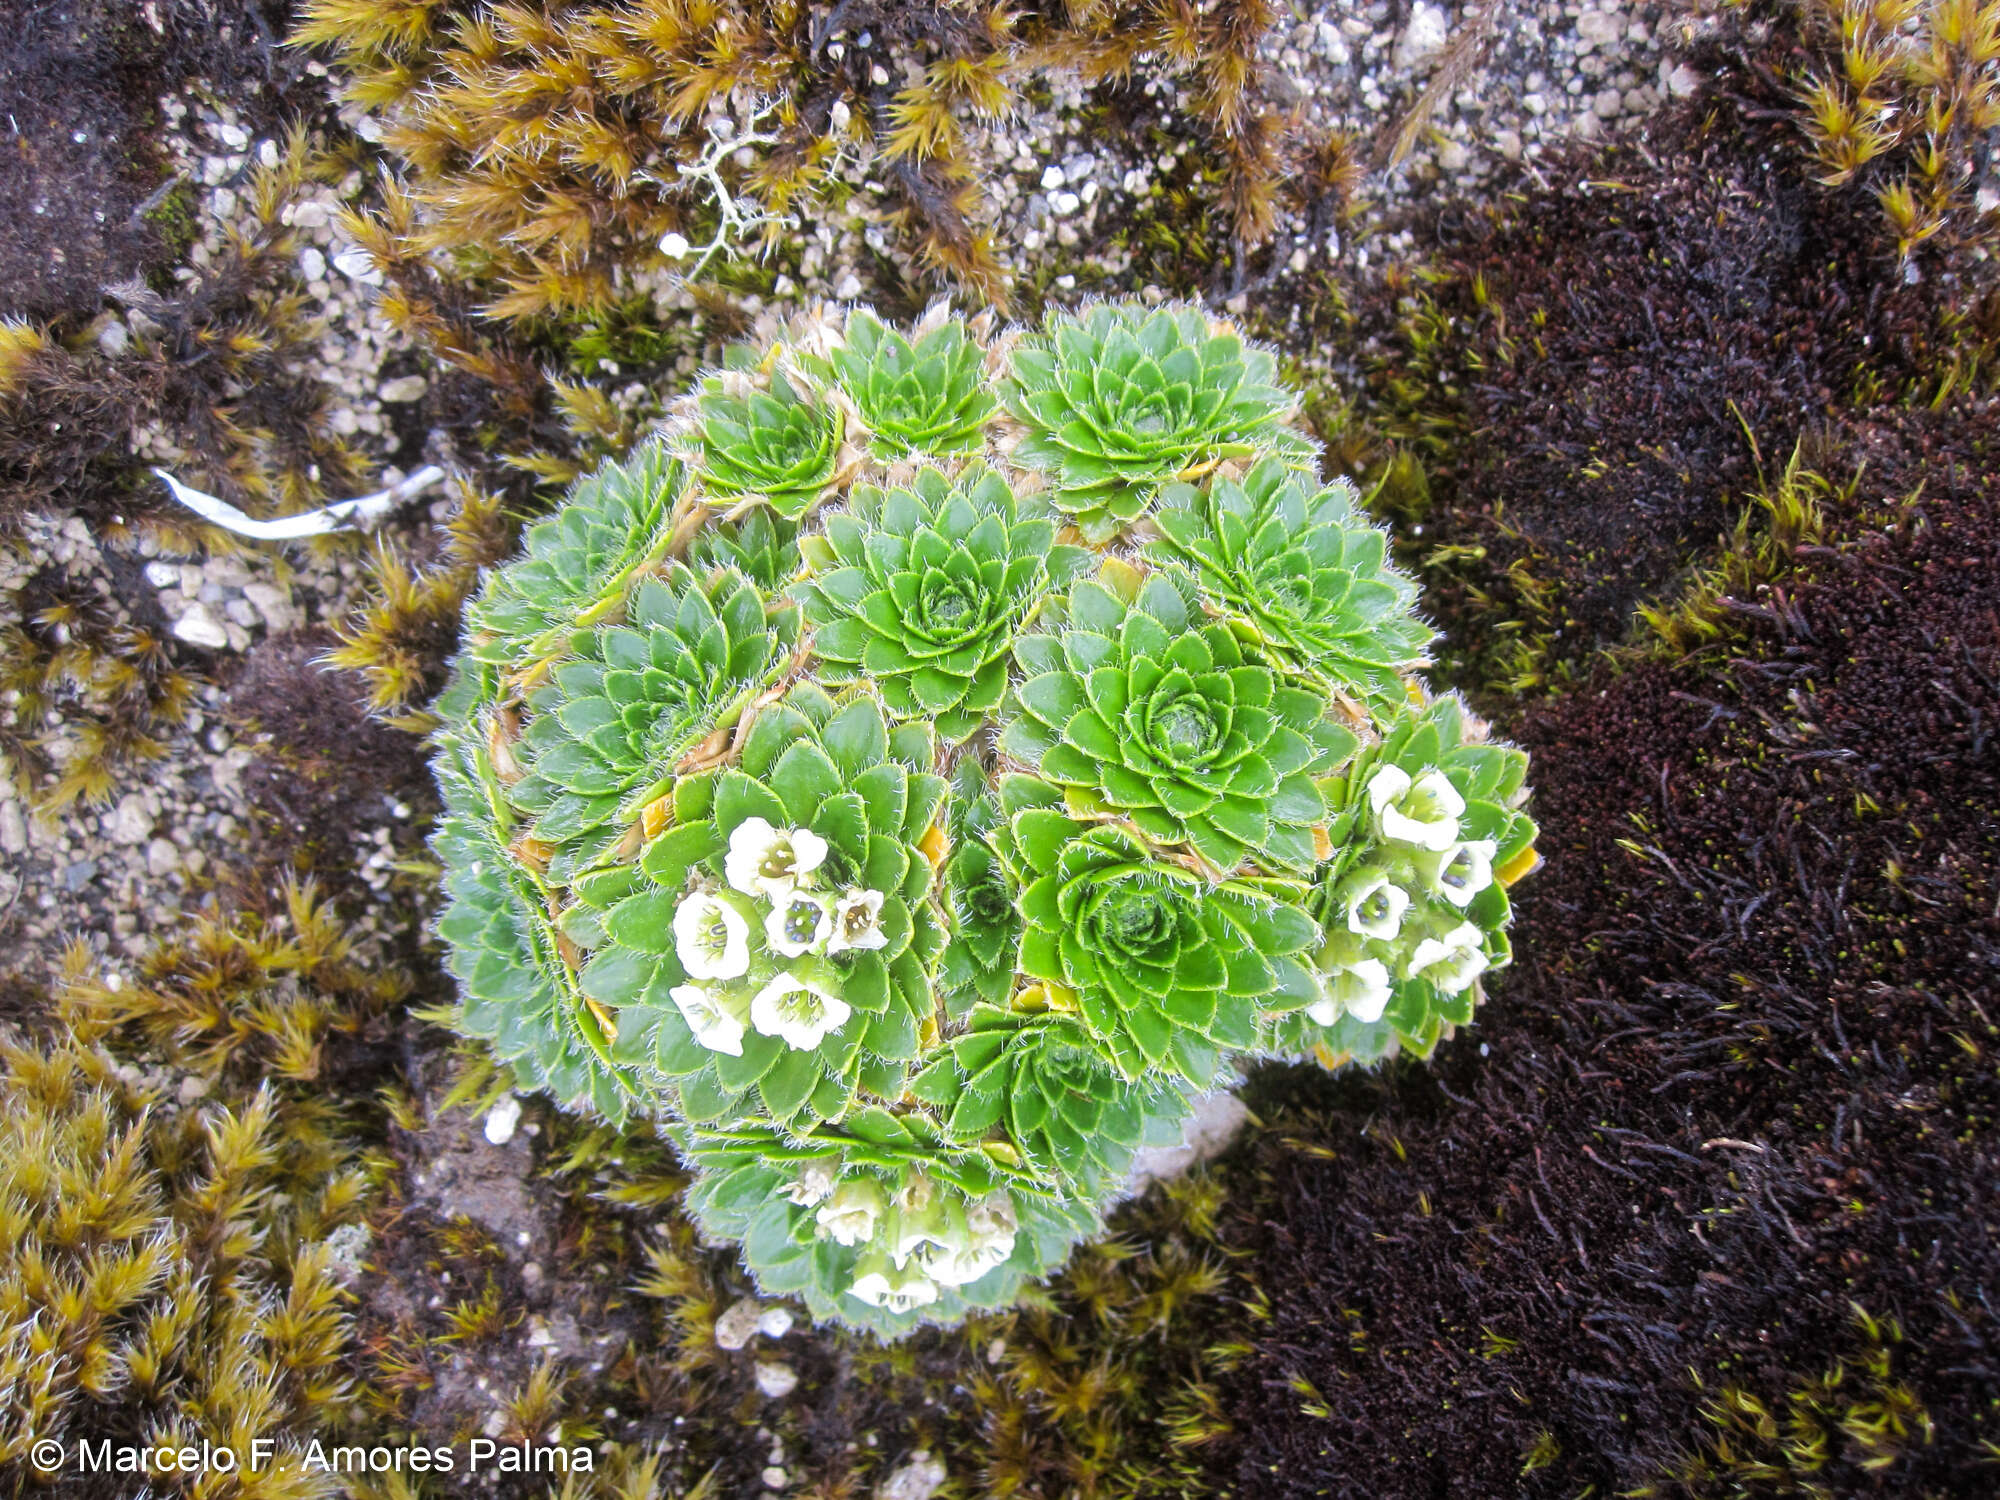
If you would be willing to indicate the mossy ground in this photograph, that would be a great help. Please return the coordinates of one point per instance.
(1704, 1205)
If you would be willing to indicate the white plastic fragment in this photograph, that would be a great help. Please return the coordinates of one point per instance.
(357, 514)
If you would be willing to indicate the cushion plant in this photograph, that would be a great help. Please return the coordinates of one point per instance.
(924, 768)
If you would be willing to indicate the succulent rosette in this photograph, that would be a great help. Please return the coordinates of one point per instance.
(921, 591)
(1042, 1076)
(1137, 708)
(770, 443)
(1299, 574)
(1166, 969)
(772, 946)
(923, 394)
(1118, 401)
(915, 775)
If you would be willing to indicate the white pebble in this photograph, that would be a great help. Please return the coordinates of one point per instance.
(917, 1478)
(774, 1322)
(1053, 178)
(1425, 36)
(129, 823)
(198, 627)
(736, 1326)
(403, 388)
(1680, 80)
(776, 1379)
(357, 264)
(501, 1120)
(312, 265)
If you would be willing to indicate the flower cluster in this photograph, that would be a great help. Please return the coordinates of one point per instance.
(757, 951)
(913, 1239)
(918, 773)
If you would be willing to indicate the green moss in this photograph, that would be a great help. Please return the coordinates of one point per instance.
(174, 219)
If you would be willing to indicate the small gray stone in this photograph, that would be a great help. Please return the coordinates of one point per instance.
(1210, 1128)
(13, 828)
(199, 627)
(775, 1478)
(162, 858)
(76, 876)
(738, 1325)
(1600, 28)
(917, 1478)
(1424, 37)
(776, 1379)
(129, 823)
(273, 603)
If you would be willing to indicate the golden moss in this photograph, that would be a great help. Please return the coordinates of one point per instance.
(143, 1294)
(548, 149)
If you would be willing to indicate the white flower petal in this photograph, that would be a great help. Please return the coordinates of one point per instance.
(711, 938)
(1385, 786)
(1361, 989)
(750, 845)
(808, 850)
(712, 1026)
(797, 1010)
(1375, 908)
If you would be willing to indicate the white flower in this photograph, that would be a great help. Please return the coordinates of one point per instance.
(799, 923)
(879, 1284)
(1375, 906)
(921, 1219)
(714, 1027)
(1423, 812)
(857, 922)
(976, 1240)
(814, 1184)
(673, 245)
(1359, 989)
(1451, 962)
(1460, 872)
(799, 1010)
(711, 938)
(767, 861)
(849, 1215)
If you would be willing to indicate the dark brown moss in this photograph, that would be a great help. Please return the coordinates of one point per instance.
(1589, 374)
(325, 767)
(85, 200)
